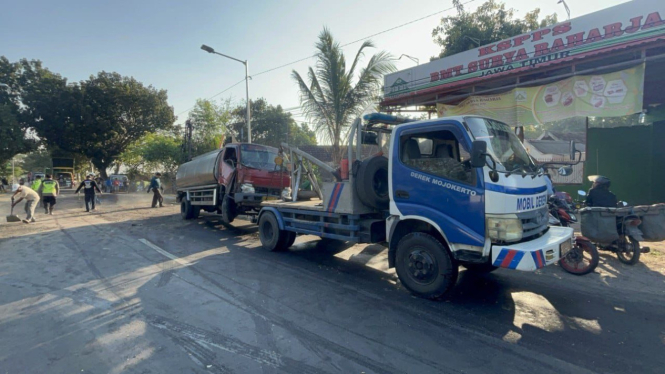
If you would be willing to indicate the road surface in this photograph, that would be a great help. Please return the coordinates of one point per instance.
(130, 289)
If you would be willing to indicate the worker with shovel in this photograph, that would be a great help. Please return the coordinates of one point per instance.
(31, 200)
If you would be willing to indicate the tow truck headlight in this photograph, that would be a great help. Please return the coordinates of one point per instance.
(506, 228)
(247, 188)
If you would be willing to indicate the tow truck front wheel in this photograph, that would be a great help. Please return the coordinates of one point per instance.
(424, 265)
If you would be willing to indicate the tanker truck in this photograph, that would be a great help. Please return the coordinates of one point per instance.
(230, 181)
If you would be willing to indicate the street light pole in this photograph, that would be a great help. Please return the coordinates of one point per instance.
(249, 120)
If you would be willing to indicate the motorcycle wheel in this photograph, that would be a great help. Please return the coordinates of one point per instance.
(628, 251)
(581, 259)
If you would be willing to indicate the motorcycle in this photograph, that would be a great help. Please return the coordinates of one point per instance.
(627, 247)
(583, 258)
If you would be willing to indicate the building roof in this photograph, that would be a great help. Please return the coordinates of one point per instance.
(555, 147)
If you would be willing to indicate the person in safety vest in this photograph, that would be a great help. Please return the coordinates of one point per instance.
(89, 186)
(49, 189)
(36, 183)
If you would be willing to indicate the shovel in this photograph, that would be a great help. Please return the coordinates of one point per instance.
(13, 217)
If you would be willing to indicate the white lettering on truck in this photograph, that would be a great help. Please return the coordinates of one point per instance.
(444, 184)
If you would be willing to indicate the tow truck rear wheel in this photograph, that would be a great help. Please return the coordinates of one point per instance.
(424, 265)
(272, 238)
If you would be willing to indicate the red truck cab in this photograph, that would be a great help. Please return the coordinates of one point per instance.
(249, 173)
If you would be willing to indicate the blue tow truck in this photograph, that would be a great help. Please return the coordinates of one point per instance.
(452, 191)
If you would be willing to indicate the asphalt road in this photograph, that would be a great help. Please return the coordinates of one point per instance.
(131, 289)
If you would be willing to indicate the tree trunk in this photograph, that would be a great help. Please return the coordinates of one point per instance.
(101, 167)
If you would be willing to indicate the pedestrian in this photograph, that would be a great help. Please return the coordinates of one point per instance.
(155, 186)
(31, 200)
(36, 183)
(49, 190)
(108, 185)
(89, 186)
(3, 183)
(116, 185)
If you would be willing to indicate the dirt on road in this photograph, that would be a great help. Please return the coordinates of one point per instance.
(134, 289)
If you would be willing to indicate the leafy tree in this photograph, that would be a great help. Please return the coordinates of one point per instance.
(334, 97)
(97, 118)
(14, 138)
(490, 23)
(211, 122)
(272, 126)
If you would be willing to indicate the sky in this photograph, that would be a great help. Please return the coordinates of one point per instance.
(158, 42)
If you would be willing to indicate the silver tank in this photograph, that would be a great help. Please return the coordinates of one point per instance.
(201, 171)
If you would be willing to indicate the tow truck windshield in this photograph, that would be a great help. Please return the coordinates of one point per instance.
(258, 157)
(502, 144)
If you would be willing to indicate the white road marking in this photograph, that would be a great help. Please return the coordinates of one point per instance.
(164, 253)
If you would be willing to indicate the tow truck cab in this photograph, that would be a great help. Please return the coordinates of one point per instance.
(460, 191)
(490, 216)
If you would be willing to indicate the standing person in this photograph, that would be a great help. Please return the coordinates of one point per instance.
(31, 200)
(89, 186)
(36, 183)
(49, 190)
(108, 185)
(155, 186)
(3, 183)
(116, 185)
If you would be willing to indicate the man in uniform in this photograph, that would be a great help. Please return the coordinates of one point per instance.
(155, 186)
(49, 189)
(89, 186)
(31, 200)
(36, 183)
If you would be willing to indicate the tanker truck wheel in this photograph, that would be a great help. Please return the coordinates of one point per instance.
(371, 182)
(189, 211)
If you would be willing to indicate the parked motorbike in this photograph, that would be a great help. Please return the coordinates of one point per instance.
(583, 257)
(627, 247)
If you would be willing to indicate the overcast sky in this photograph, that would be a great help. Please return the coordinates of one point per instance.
(158, 42)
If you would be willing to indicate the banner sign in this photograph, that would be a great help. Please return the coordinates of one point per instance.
(624, 23)
(605, 95)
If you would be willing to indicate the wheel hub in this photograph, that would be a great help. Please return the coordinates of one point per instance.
(422, 266)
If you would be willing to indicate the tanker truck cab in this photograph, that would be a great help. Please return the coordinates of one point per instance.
(465, 187)
(231, 181)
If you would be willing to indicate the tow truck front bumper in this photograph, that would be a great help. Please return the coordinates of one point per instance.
(534, 254)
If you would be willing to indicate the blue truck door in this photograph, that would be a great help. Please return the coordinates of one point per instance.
(432, 178)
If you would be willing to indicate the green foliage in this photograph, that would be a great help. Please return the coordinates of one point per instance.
(490, 23)
(154, 152)
(211, 122)
(271, 125)
(334, 96)
(98, 117)
(14, 137)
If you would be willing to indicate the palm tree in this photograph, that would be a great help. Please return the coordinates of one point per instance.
(331, 100)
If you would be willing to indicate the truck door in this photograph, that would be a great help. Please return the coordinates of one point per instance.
(432, 179)
(228, 164)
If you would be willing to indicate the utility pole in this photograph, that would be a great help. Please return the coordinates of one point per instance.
(189, 128)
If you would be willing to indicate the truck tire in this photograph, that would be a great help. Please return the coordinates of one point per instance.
(272, 238)
(424, 266)
(188, 211)
(291, 238)
(371, 182)
(228, 209)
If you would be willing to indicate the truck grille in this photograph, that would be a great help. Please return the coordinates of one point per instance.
(534, 223)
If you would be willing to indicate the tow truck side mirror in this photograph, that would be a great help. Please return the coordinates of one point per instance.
(478, 152)
(573, 150)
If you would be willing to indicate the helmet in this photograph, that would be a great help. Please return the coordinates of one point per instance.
(599, 179)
